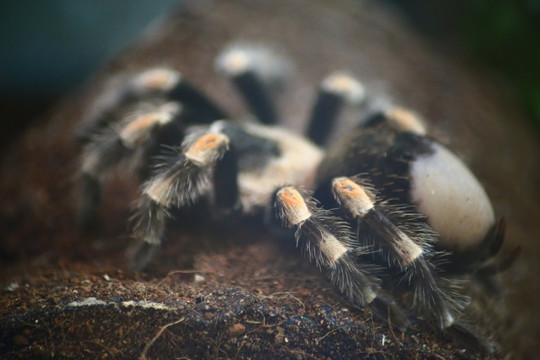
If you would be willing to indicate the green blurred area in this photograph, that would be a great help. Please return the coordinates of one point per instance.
(49, 48)
(506, 35)
(500, 35)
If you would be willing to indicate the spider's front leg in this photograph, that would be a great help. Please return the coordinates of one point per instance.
(328, 242)
(129, 143)
(130, 123)
(432, 294)
(410, 256)
(181, 181)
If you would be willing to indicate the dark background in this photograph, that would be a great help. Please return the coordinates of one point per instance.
(502, 36)
(48, 49)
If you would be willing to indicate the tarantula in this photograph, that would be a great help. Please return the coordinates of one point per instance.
(390, 209)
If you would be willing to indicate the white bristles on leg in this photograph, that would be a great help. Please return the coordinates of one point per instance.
(332, 247)
(139, 127)
(157, 79)
(293, 206)
(346, 86)
(352, 196)
(238, 58)
(328, 242)
(405, 120)
(183, 182)
(207, 149)
(407, 249)
(294, 211)
(360, 204)
(159, 190)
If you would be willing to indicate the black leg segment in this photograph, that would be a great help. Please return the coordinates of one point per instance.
(226, 183)
(239, 66)
(334, 91)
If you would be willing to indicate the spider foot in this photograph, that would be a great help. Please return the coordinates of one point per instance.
(463, 335)
(143, 255)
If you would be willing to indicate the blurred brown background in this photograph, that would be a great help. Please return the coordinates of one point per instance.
(49, 49)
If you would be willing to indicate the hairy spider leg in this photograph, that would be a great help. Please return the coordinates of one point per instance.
(434, 295)
(398, 119)
(126, 143)
(487, 267)
(225, 180)
(411, 257)
(461, 333)
(328, 242)
(335, 90)
(482, 262)
(241, 68)
(157, 83)
(179, 182)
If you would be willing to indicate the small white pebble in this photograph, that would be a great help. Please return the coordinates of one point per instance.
(91, 301)
(12, 287)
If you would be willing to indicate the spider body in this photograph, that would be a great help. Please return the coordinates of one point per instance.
(360, 211)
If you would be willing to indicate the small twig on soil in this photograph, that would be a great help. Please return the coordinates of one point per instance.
(373, 331)
(151, 342)
(189, 271)
(101, 346)
(318, 340)
(280, 294)
(391, 327)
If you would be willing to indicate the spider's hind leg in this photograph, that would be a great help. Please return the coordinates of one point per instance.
(119, 128)
(328, 242)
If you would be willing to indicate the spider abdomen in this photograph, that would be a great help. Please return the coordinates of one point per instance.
(456, 205)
